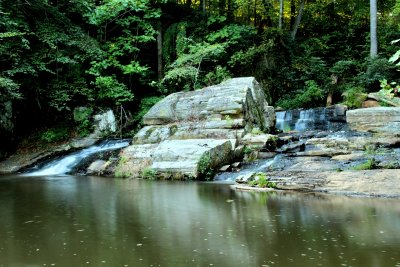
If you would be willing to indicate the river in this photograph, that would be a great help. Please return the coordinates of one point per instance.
(93, 221)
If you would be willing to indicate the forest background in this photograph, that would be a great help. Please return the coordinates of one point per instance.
(57, 55)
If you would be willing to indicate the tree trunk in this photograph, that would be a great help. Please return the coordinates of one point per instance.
(280, 25)
(373, 26)
(160, 70)
(204, 6)
(298, 20)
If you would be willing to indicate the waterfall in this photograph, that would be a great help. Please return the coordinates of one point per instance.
(257, 166)
(283, 119)
(65, 164)
(322, 119)
(306, 120)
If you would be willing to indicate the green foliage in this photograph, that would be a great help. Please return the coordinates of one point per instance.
(110, 90)
(204, 168)
(55, 134)
(354, 96)
(261, 180)
(311, 97)
(148, 173)
(377, 69)
(82, 116)
(368, 165)
(9, 90)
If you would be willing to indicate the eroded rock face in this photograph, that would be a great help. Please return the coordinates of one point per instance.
(377, 119)
(220, 106)
(188, 133)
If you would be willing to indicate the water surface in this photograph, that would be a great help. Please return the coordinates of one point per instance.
(92, 221)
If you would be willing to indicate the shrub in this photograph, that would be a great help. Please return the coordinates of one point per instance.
(312, 96)
(56, 134)
(148, 173)
(354, 96)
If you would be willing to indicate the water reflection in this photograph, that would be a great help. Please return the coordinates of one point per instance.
(93, 221)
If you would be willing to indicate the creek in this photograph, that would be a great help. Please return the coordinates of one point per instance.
(94, 221)
(50, 218)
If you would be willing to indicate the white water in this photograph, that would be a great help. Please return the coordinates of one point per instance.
(65, 164)
(259, 166)
(306, 117)
(282, 119)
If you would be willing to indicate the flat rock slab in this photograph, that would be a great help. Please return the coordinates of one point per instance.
(174, 158)
(184, 157)
(378, 119)
(383, 183)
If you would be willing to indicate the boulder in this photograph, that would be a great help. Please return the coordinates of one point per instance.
(235, 103)
(188, 134)
(105, 122)
(370, 104)
(97, 167)
(378, 120)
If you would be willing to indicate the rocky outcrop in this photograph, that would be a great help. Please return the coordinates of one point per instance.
(189, 133)
(384, 98)
(378, 120)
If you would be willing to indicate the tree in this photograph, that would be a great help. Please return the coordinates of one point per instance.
(298, 20)
(373, 28)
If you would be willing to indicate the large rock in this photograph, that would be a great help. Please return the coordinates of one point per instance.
(225, 106)
(378, 119)
(177, 159)
(189, 134)
(191, 158)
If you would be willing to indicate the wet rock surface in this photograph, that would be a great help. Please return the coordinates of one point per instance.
(348, 162)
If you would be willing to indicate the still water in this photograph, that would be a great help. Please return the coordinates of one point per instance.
(92, 221)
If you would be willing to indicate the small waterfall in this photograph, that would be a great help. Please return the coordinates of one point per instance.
(306, 120)
(283, 120)
(320, 119)
(258, 166)
(65, 164)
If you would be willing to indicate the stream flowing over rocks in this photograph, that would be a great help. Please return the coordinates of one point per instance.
(230, 128)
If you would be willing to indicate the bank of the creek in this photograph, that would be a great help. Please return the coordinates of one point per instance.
(93, 221)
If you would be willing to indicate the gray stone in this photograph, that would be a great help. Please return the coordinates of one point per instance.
(105, 122)
(163, 112)
(225, 168)
(379, 119)
(244, 178)
(188, 158)
(98, 167)
(154, 134)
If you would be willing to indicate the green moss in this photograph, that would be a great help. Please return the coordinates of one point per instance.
(205, 170)
(148, 173)
(261, 180)
(368, 165)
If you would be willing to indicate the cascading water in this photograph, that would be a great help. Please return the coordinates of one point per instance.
(283, 119)
(308, 120)
(258, 166)
(65, 164)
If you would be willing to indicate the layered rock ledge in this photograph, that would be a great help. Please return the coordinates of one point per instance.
(188, 134)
